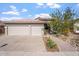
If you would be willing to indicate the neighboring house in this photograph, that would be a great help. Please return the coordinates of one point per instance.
(24, 27)
(76, 27)
(2, 30)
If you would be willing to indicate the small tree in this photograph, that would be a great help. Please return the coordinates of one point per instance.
(68, 17)
(55, 22)
(62, 22)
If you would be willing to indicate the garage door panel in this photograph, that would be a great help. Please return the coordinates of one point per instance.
(37, 30)
(18, 30)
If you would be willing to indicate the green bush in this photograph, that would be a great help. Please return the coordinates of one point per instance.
(50, 43)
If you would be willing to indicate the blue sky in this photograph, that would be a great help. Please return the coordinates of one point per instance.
(9, 11)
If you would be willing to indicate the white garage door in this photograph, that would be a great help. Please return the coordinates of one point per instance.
(37, 30)
(18, 30)
(25, 29)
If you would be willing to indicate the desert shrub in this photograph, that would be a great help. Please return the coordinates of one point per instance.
(50, 43)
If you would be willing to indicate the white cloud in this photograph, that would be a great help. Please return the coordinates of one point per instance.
(10, 18)
(4, 18)
(14, 11)
(29, 15)
(40, 4)
(42, 15)
(11, 13)
(53, 5)
(24, 10)
(78, 4)
(50, 5)
(13, 8)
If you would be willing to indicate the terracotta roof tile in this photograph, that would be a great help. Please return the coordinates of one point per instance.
(25, 21)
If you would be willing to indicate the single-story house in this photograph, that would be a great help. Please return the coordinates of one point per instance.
(24, 27)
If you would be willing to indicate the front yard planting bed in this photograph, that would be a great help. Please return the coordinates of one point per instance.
(50, 45)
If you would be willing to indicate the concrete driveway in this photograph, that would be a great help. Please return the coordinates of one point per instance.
(26, 45)
(22, 44)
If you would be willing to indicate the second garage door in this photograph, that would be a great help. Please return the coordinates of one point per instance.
(37, 30)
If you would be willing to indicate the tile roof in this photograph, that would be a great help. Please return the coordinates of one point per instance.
(25, 21)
